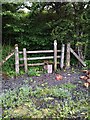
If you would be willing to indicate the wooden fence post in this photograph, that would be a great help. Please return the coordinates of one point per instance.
(25, 59)
(68, 56)
(62, 56)
(55, 55)
(16, 59)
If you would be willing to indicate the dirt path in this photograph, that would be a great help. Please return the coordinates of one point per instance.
(44, 79)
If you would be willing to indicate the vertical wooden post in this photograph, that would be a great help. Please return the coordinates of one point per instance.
(55, 55)
(16, 59)
(62, 56)
(68, 56)
(25, 59)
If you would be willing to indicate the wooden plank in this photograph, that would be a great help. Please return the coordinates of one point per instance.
(39, 58)
(20, 52)
(33, 64)
(58, 50)
(68, 56)
(62, 56)
(36, 64)
(25, 59)
(16, 59)
(82, 62)
(55, 55)
(43, 51)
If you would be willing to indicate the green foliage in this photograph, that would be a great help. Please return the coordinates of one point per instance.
(8, 66)
(36, 29)
(63, 30)
(68, 86)
(88, 64)
(34, 71)
(45, 102)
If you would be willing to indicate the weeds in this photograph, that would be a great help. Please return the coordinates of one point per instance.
(34, 71)
(44, 102)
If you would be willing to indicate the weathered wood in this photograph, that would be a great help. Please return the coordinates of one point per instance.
(43, 51)
(20, 52)
(25, 59)
(39, 58)
(55, 55)
(9, 56)
(72, 51)
(33, 64)
(68, 56)
(36, 64)
(40, 51)
(62, 56)
(16, 59)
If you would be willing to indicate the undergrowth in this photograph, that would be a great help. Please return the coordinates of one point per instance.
(8, 67)
(58, 101)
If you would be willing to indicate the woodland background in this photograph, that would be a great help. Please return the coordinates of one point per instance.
(42, 24)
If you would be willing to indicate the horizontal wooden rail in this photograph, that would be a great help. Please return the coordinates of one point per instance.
(39, 58)
(20, 52)
(36, 64)
(40, 51)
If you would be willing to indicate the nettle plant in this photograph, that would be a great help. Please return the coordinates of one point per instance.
(34, 71)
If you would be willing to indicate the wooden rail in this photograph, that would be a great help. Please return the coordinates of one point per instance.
(9, 56)
(40, 51)
(39, 58)
(80, 60)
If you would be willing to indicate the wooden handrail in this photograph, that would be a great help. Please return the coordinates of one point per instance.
(3, 61)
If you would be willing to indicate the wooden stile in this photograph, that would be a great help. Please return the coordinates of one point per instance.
(62, 56)
(55, 55)
(25, 59)
(16, 59)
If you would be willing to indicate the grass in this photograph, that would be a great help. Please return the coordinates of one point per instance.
(46, 102)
